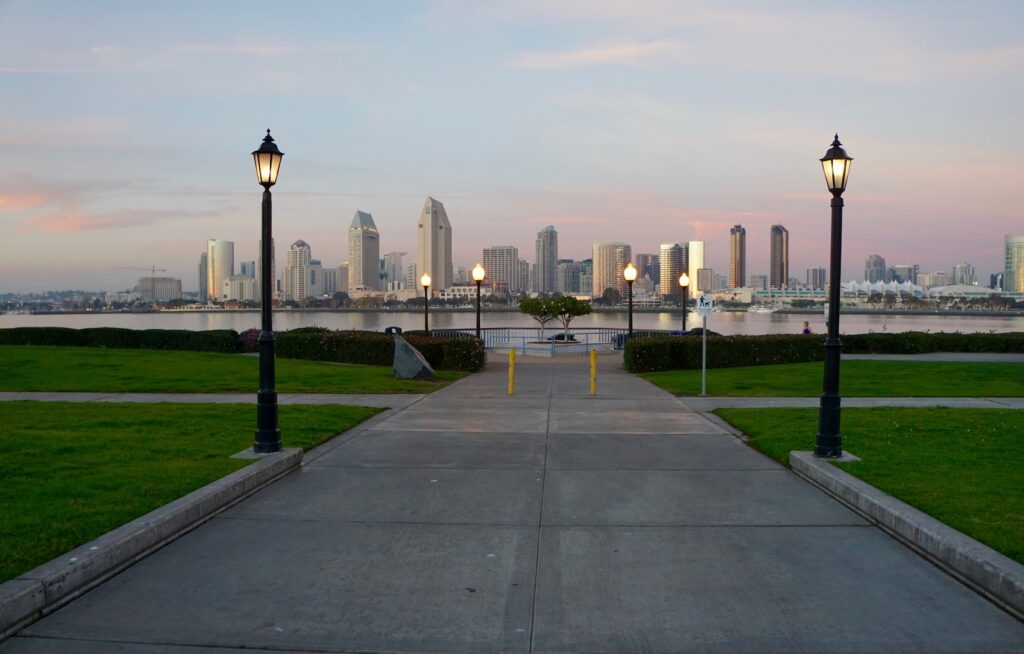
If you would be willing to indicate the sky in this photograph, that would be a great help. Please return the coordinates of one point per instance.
(127, 129)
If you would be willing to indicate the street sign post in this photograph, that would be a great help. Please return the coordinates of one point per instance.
(705, 307)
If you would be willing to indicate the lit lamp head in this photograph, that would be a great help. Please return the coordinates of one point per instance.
(478, 273)
(268, 161)
(425, 280)
(836, 164)
(684, 280)
(629, 273)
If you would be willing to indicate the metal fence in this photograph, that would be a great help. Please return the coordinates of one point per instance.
(552, 342)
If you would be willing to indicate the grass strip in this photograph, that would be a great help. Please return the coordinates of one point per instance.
(964, 467)
(859, 378)
(73, 471)
(85, 369)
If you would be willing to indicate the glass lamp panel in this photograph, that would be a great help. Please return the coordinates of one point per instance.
(478, 273)
(846, 172)
(425, 280)
(629, 273)
(684, 280)
(275, 167)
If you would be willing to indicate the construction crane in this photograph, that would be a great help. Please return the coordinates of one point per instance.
(152, 269)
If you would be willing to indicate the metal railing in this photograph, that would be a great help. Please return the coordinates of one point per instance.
(530, 340)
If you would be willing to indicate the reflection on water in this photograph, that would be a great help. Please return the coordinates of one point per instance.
(724, 323)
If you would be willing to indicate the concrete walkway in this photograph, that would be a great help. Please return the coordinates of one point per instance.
(546, 522)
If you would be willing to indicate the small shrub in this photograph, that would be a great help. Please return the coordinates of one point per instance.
(221, 340)
(374, 348)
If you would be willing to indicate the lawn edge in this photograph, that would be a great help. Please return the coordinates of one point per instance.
(994, 575)
(48, 587)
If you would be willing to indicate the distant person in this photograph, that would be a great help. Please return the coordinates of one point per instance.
(807, 328)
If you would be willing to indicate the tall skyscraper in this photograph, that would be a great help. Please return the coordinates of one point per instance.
(204, 282)
(963, 273)
(546, 260)
(647, 266)
(501, 267)
(248, 269)
(523, 279)
(694, 262)
(363, 253)
(394, 272)
(610, 261)
(778, 267)
(342, 277)
(568, 282)
(434, 245)
(296, 272)
(1013, 273)
(220, 264)
(874, 268)
(995, 281)
(903, 273)
(737, 256)
(670, 261)
(816, 277)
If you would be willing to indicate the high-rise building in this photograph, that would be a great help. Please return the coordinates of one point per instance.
(204, 283)
(316, 278)
(963, 273)
(248, 269)
(501, 267)
(931, 280)
(670, 262)
(434, 245)
(158, 289)
(296, 272)
(220, 264)
(816, 277)
(546, 261)
(394, 272)
(759, 282)
(737, 256)
(327, 281)
(523, 276)
(778, 268)
(586, 275)
(239, 287)
(1013, 273)
(610, 261)
(341, 281)
(903, 273)
(694, 261)
(874, 268)
(568, 281)
(705, 279)
(647, 266)
(363, 253)
(995, 281)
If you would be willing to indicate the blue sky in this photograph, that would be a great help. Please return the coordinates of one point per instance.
(128, 127)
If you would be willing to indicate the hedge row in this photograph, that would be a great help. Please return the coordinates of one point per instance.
(681, 352)
(374, 348)
(221, 340)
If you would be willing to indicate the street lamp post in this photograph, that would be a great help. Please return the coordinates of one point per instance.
(630, 274)
(478, 277)
(684, 282)
(268, 434)
(828, 443)
(425, 280)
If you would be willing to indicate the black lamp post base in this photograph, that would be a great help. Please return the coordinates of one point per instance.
(828, 444)
(268, 438)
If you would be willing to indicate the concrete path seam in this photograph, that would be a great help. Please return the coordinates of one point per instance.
(995, 576)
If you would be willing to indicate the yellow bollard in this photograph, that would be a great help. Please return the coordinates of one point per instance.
(593, 372)
(511, 372)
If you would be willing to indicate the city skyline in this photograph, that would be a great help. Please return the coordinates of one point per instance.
(130, 132)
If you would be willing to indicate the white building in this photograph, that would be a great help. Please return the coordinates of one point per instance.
(963, 274)
(434, 245)
(239, 287)
(501, 267)
(694, 261)
(546, 261)
(610, 260)
(295, 284)
(159, 289)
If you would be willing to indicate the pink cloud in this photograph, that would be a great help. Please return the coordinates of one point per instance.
(82, 221)
(19, 202)
(661, 51)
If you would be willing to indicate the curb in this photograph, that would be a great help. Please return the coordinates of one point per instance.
(50, 586)
(992, 574)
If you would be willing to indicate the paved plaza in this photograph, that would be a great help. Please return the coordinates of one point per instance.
(470, 521)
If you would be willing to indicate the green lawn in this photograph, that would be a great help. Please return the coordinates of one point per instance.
(73, 471)
(962, 466)
(39, 368)
(858, 378)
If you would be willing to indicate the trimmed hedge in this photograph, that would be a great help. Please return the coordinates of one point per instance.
(676, 352)
(220, 340)
(376, 349)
